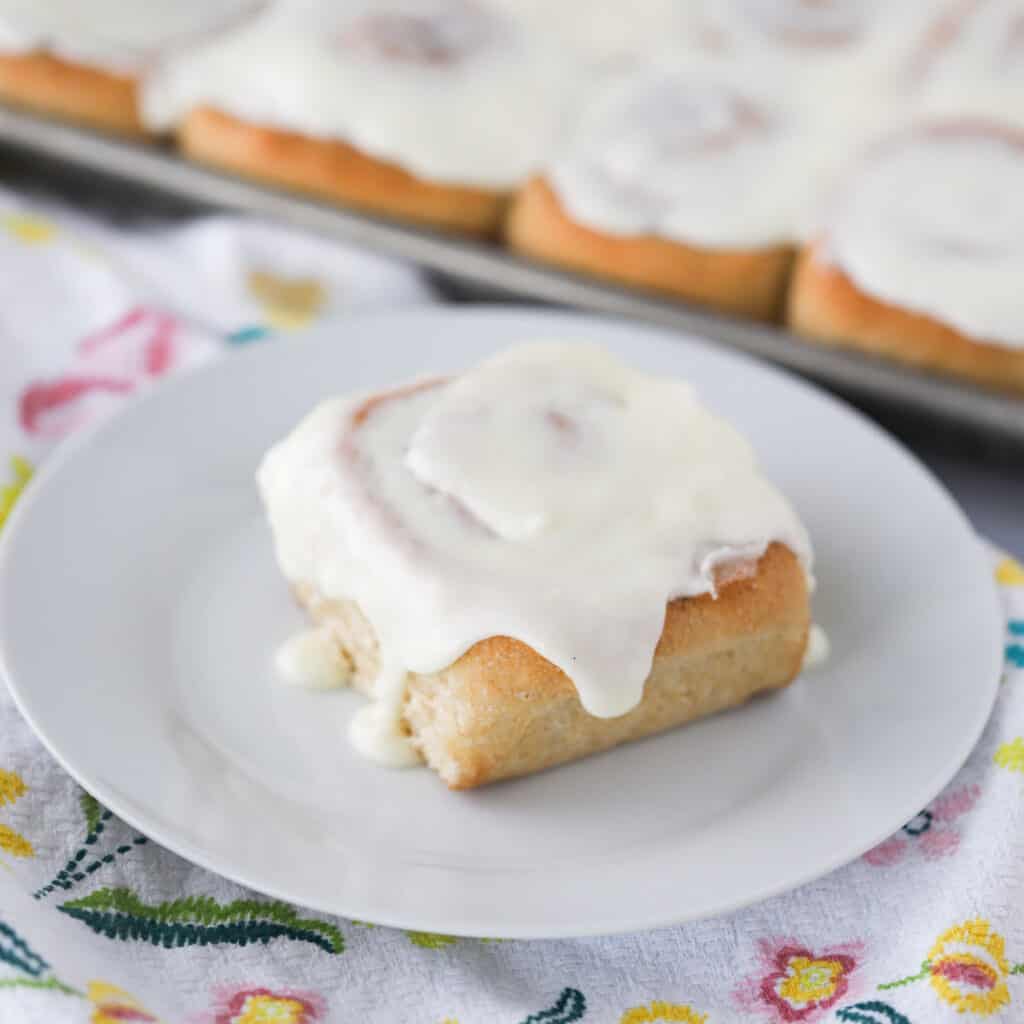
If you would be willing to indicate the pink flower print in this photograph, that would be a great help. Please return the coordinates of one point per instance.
(932, 833)
(797, 983)
(54, 409)
(892, 851)
(939, 843)
(108, 366)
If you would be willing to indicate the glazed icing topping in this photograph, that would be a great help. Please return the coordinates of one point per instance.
(694, 151)
(311, 659)
(448, 89)
(551, 494)
(117, 35)
(809, 29)
(971, 62)
(816, 23)
(607, 35)
(949, 245)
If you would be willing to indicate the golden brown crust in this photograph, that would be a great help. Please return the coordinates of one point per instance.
(502, 710)
(826, 306)
(334, 170)
(75, 92)
(748, 282)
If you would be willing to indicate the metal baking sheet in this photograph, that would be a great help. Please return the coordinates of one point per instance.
(482, 268)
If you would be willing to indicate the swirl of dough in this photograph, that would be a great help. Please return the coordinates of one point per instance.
(825, 23)
(932, 221)
(692, 153)
(441, 34)
(970, 63)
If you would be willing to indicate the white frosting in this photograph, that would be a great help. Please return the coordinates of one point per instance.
(312, 659)
(818, 648)
(700, 151)
(733, 140)
(607, 35)
(551, 495)
(448, 89)
(934, 222)
(118, 35)
(973, 63)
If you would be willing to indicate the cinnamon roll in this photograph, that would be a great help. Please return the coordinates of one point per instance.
(431, 110)
(85, 62)
(545, 557)
(921, 253)
(686, 179)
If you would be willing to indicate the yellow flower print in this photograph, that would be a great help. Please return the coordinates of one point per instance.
(808, 981)
(968, 968)
(1011, 756)
(21, 470)
(1010, 573)
(15, 843)
(270, 1010)
(13, 788)
(288, 303)
(262, 1006)
(658, 1012)
(112, 1005)
(28, 229)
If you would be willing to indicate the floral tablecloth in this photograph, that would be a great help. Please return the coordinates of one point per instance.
(98, 924)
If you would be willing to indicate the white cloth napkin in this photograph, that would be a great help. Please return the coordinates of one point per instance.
(97, 924)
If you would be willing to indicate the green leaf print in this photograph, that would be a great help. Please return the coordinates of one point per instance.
(198, 921)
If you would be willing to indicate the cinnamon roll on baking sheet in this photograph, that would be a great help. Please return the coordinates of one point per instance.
(684, 180)
(920, 256)
(85, 62)
(429, 110)
(545, 557)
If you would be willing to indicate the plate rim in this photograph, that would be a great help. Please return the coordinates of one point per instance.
(69, 450)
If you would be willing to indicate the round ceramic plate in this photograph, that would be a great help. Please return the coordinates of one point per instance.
(140, 606)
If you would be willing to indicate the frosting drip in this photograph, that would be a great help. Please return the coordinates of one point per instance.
(949, 245)
(551, 495)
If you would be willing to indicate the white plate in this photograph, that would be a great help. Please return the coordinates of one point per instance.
(140, 606)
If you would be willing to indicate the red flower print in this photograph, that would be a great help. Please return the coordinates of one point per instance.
(110, 364)
(804, 983)
(798, 983)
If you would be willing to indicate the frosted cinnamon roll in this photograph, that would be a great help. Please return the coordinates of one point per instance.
(921, 254)
(85, 61)
(689, 179)
(542, 558)
(431, 110)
